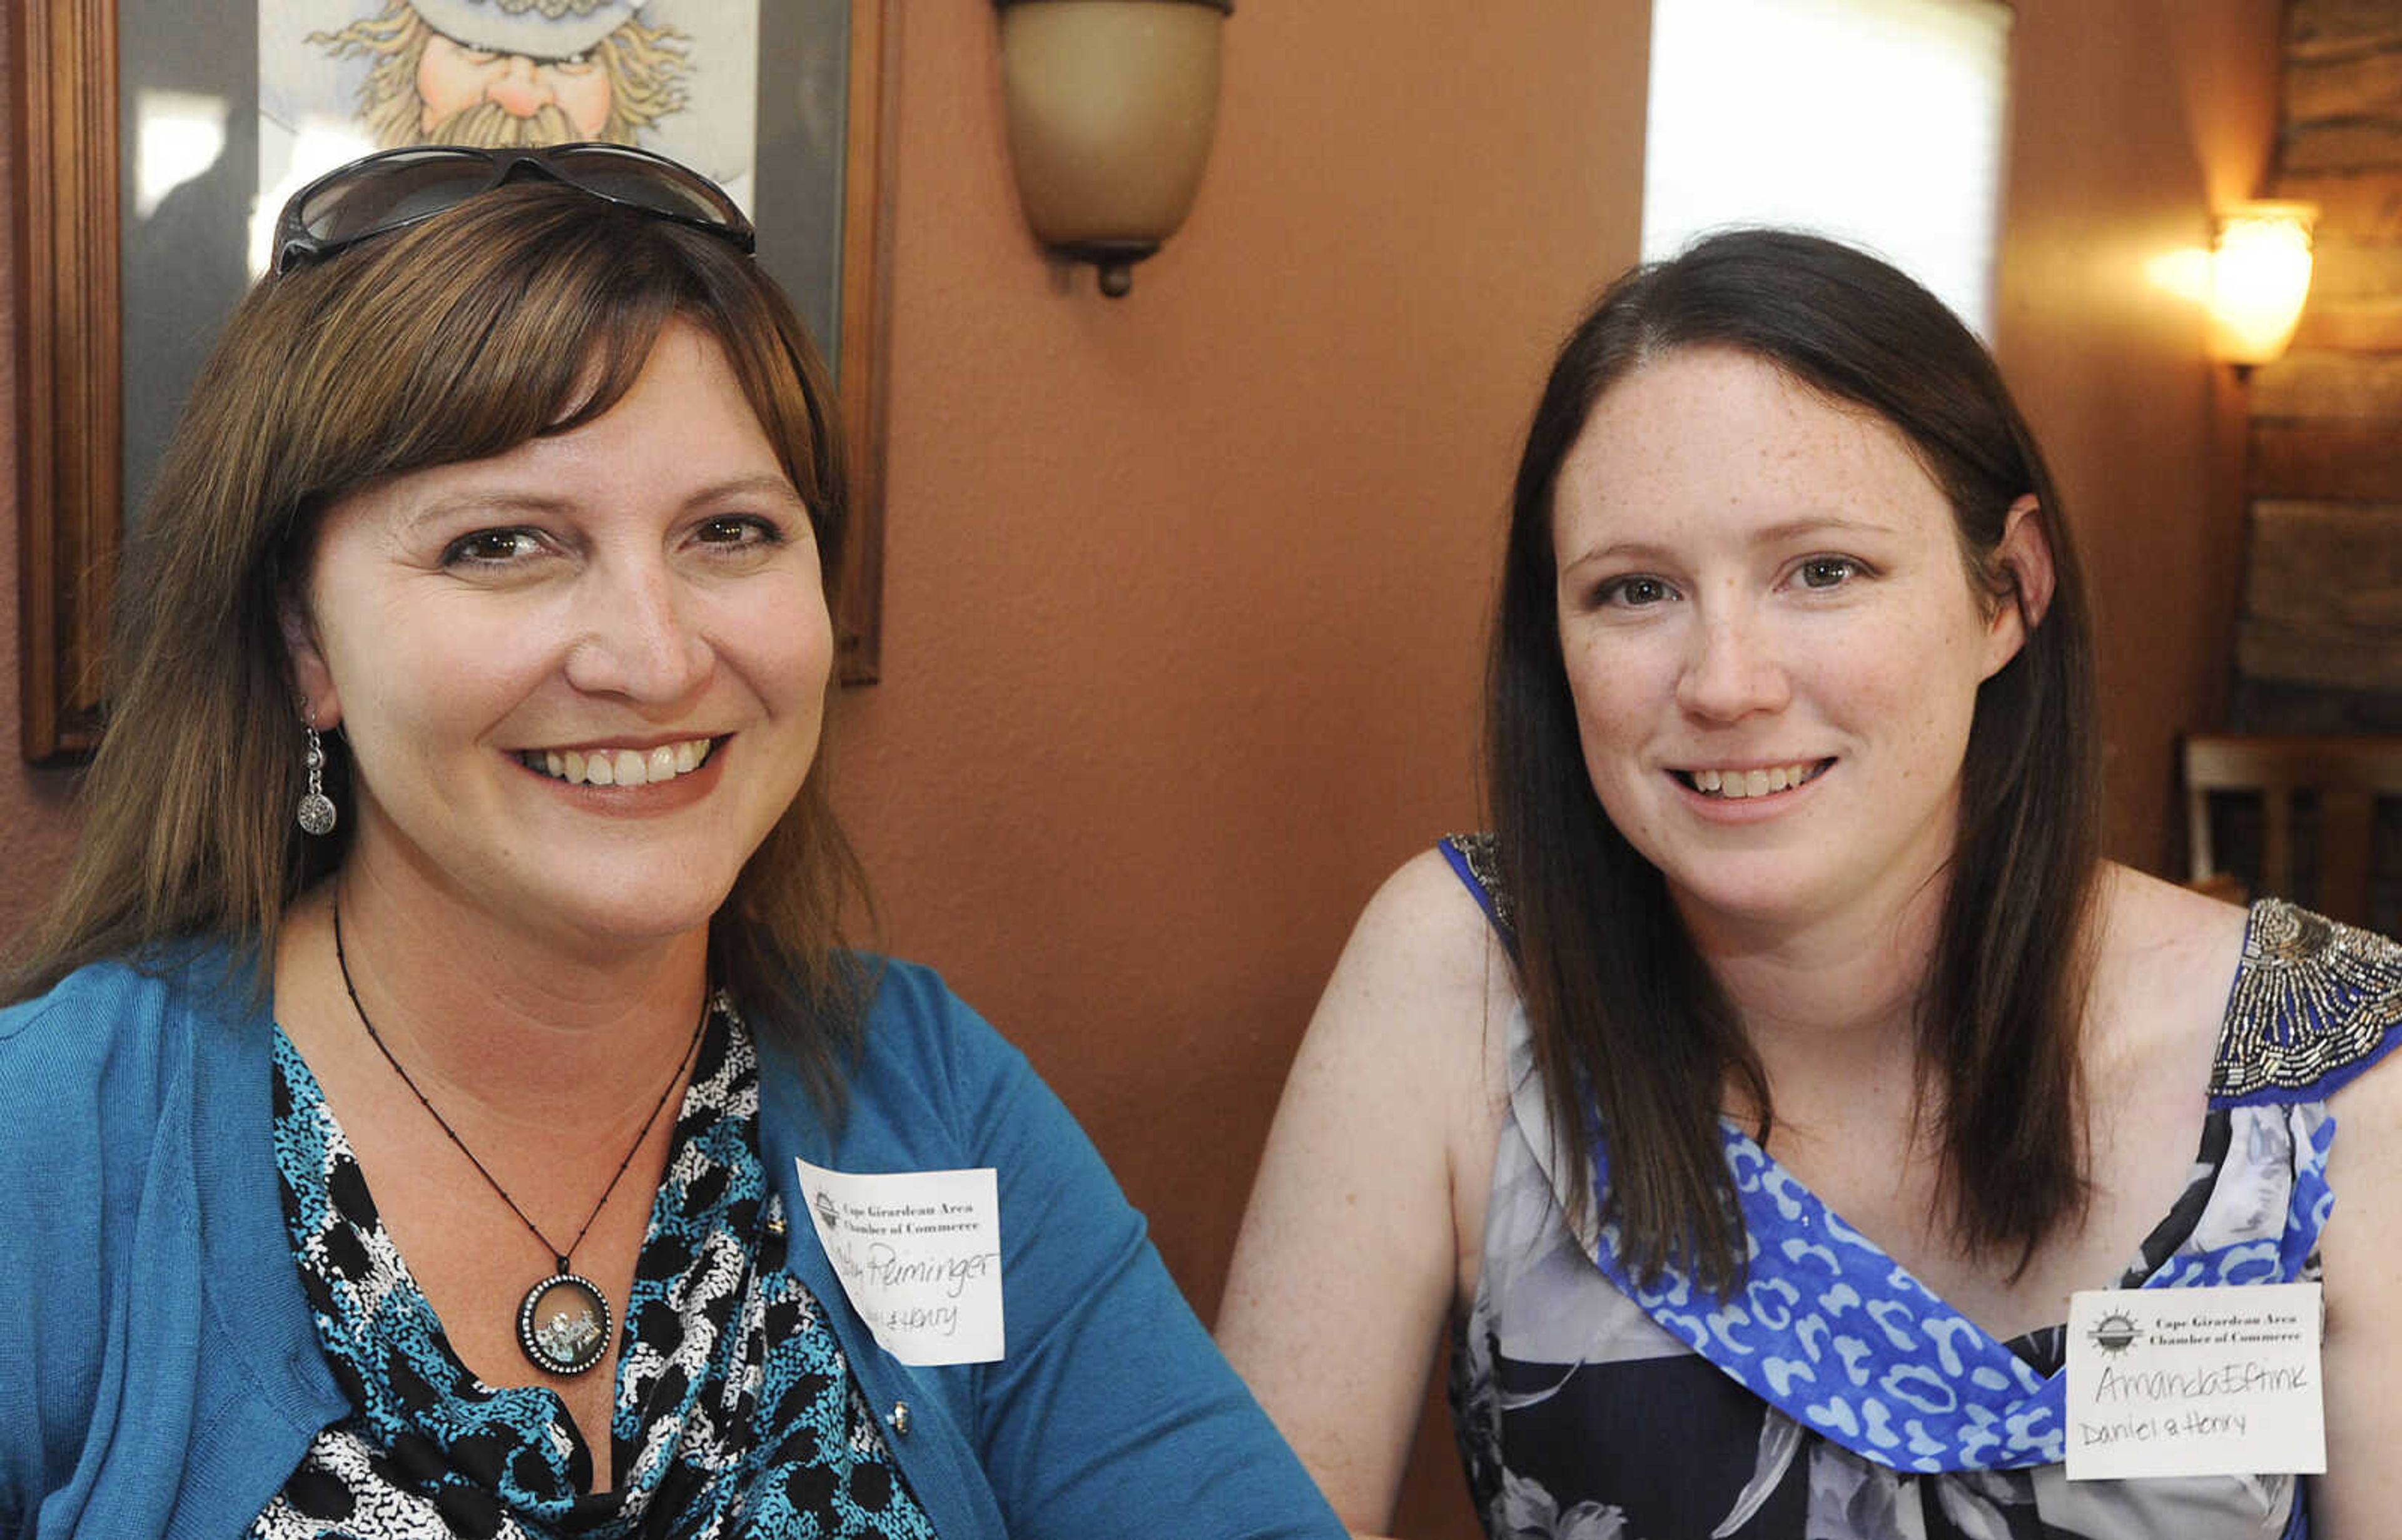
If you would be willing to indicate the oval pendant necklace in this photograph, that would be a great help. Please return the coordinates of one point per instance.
(564, 1321)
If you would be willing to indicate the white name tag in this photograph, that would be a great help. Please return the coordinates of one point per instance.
(2195, 1382)
(918, 1252)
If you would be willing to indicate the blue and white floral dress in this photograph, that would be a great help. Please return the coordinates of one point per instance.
(1834, 1396)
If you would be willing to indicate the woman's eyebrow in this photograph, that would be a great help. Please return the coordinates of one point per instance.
(760, 484)
(1638, 550)
(1817, 524)
(1803, 527)
(480, 505)
(506, 505)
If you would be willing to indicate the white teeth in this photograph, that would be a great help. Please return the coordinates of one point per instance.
(1739, 785)
(619, 766)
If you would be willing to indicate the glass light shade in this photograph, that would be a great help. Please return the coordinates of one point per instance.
(1112, 105)
(2260, 276)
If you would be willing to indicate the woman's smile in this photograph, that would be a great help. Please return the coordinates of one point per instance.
(596, 765)
(1742, 784)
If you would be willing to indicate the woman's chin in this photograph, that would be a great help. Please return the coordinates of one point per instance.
(603, 922)
(614, 930)
(1755, 897)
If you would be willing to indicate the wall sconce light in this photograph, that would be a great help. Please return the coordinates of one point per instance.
(1112, 105)
(2260, 276)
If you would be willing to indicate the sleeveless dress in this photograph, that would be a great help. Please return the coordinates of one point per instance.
(1833, 1396)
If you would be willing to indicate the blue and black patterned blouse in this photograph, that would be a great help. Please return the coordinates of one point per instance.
(736, 1412)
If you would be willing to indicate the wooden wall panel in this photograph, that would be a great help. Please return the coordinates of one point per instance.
(2352, 325)
(2319, 642)
(2318, 29)
(2327, 384)
(2345, 144)
(2351, 84)
(2357, 461)
(2350, 266)
(2323, 601)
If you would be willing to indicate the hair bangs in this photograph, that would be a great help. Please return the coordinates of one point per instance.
(460, 340)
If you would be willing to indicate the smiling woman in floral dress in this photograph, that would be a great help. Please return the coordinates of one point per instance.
(1751, 1102)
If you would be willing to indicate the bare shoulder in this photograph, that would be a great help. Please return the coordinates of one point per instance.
(2165, 929)
(1424, 942)
(1426, 901)
(1417, 1004)
(2166, 958)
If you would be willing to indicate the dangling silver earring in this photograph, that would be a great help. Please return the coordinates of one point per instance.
(316, 815)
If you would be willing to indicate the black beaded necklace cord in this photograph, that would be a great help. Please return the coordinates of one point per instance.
(563, 1323)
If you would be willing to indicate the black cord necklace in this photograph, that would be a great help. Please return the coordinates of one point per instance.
(563, 1323)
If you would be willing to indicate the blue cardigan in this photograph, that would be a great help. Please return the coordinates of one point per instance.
(160, 1372)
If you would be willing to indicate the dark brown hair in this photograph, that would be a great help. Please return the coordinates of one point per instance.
(524, 311)
(1634, 1038)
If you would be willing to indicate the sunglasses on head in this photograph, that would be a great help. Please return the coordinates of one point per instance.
(393, 189)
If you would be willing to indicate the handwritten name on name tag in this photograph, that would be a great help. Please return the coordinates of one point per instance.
(919, 1253)
(2195, 1382)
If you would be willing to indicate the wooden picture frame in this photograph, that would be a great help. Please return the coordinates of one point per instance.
(69, 304)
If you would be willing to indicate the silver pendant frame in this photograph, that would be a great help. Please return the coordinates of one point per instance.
(540, 1341)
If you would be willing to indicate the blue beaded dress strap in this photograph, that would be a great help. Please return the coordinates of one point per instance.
(2313, 1006)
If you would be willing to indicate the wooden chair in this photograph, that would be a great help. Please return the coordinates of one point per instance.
(2347, 773)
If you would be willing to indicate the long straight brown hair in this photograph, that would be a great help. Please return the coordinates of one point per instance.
(525, 312)
(1636, 1039)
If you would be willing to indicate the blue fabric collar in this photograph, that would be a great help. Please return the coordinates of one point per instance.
(1847, 1342)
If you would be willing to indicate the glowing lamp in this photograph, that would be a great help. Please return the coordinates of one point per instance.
(2260, 276)
(1112, 105)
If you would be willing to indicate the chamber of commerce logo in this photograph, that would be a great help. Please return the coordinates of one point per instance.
(2115, 1333)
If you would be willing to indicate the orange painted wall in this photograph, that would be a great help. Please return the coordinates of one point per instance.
(2132, 119)
(1185, 592)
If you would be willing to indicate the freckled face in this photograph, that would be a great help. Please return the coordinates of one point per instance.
(579, 681)
(452, 78)
(1772, 638)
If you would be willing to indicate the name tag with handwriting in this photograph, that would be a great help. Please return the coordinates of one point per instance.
(2195, 1382)
(918, 1252)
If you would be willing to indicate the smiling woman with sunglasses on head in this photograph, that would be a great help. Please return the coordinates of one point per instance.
(403, 1110)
